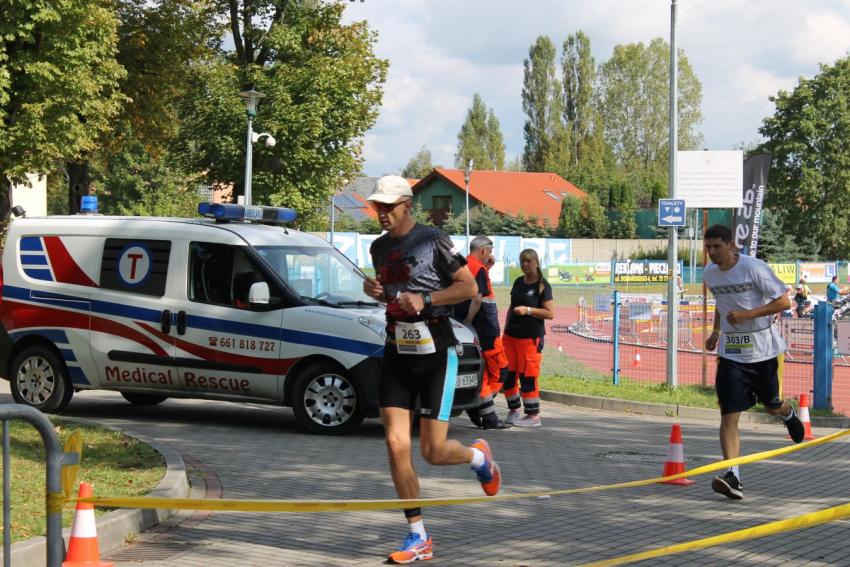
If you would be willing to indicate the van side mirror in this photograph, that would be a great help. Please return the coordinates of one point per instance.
(259, 294)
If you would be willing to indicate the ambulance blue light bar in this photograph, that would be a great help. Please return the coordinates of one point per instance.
(220, 211)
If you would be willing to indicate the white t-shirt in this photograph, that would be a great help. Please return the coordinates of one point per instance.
(750, 283)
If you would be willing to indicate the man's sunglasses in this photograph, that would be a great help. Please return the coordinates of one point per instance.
(387, 207)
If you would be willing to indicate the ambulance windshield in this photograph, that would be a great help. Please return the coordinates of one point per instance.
(318, 273)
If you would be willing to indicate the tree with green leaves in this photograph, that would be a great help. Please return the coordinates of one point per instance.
(579, 79)
(620, 211)
(581, 218)
(480, 138)
(58, 84)
(419, 165)
(136, 183)
(323, 87)
(808, 136)
(541, 102)
(776, 245)
(634, 100)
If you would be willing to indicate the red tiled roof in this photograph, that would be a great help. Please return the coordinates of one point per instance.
(512, 192)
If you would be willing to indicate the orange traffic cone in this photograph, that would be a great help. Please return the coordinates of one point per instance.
(675, 463)
(83, 550)
(636, 359)
(804, 417)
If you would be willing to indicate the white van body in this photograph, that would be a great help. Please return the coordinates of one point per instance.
(163, 307)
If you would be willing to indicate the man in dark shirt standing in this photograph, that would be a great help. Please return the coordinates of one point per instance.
(482, 313)
(420, 276)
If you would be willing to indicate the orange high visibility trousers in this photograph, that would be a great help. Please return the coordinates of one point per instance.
(523, 373)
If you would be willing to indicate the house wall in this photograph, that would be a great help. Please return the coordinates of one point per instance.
(439, 187)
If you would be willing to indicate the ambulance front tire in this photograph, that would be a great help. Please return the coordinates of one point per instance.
(143, 399)
(325, 400)
(38, 378)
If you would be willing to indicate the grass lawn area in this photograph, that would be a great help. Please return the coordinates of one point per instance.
(115, 465)
(696, 396)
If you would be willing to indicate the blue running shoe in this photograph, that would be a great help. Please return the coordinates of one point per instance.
(413, 549)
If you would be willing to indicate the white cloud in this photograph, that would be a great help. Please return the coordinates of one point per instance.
(443, 51)
(822, 38)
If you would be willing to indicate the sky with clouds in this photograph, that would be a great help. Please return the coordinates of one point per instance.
(443, 51)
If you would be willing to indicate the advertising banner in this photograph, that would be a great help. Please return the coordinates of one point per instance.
(642, 271)
(557, 252)
(817, 272)
(748, 216)
(345, 242)
(578, 274)
(787, 273)
(507, 248)
(364, 242)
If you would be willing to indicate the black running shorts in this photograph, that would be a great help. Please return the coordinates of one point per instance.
(430, 378)
(740, 384)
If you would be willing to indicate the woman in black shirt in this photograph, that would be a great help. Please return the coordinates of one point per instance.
(531, 304)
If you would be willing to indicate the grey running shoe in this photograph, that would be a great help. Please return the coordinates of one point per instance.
(528, 421)
(512, 417)
(795, 427)
(728, 485)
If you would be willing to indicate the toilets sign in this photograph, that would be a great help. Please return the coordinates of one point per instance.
(671, 212)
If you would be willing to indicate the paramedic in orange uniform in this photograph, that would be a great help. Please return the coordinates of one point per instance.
(531, 304)
(481, 313)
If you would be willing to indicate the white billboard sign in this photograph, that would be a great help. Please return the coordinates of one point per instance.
(710, 180)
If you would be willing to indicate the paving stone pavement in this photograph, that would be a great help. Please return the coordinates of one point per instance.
(253, 451)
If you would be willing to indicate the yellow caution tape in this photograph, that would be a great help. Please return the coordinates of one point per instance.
(364, 505)
(74, 444)
(55, 501)
(796, 523)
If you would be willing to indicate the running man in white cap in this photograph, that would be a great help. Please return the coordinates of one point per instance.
(420, 276)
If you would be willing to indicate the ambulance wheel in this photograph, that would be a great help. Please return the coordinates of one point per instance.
(39, 379)
(325, 400)
(143, 399)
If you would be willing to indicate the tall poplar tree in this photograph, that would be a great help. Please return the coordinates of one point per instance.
(480, 138)
(579, 78)
(541, 102)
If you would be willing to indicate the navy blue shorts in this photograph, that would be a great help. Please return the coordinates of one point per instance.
(740, 384)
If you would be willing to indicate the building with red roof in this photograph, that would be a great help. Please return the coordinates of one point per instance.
(443, 193)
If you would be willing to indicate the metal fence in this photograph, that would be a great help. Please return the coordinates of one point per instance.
(54, 495)
(580, 343)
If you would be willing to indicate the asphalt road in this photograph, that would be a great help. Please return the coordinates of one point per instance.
(258, 452)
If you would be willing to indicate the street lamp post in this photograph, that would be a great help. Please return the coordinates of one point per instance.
(252, 98)
(466, 179)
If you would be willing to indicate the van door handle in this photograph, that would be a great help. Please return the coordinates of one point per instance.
(165, 321)
(181, 322)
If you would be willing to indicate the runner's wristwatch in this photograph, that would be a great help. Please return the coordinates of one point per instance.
(426, 299)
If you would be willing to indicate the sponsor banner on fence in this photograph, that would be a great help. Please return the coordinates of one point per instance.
(787, 273)
(642, 271)
(557, 252)
(345, 242)
(506, 249)
(364, 259)
(579, 274)
(817, 272)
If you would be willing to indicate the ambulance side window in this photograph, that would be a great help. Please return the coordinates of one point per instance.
(222, 275)
(135, 266)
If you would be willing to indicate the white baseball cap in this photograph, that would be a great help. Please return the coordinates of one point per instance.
(390, 188)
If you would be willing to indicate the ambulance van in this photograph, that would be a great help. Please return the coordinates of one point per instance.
(233, 306)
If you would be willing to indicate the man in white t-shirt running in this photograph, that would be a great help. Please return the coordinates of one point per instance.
(748, 296)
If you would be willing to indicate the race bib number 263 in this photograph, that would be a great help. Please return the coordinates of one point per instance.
(414, 338)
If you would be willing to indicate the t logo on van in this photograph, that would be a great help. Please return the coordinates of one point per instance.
(134, 265)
